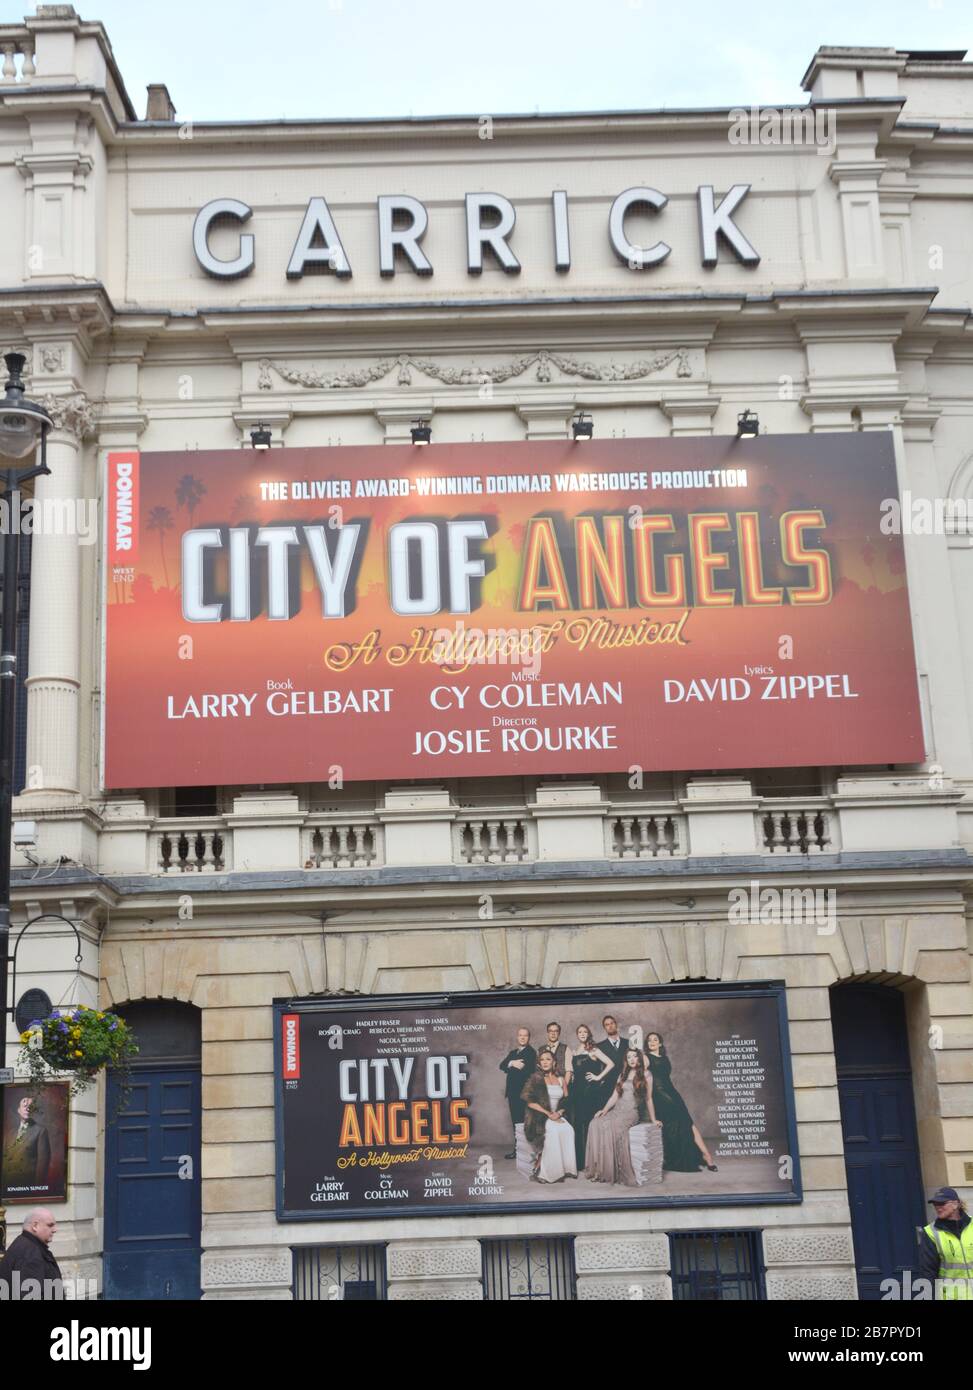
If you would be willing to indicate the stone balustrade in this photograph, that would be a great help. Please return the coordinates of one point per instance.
(797, 827)
(646, 834)
(16, 44)
(342, 844)
(185, 847)
(493, 838)
(562, 822)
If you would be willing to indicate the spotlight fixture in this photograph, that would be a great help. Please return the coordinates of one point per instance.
(582, 426)
(421, 432)
(748, 426)
(260, 437)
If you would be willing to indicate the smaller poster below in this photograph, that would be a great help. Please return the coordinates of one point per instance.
(399, 1106)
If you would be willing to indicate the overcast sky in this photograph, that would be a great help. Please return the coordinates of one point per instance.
(305, 58)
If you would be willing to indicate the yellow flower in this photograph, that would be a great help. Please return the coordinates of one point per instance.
(24, 1036)
(77, 1054)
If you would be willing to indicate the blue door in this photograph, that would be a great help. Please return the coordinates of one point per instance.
(152, 1187)
(884, 1182)
(878, 1127)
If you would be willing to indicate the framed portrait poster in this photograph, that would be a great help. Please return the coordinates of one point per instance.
(35, 1143)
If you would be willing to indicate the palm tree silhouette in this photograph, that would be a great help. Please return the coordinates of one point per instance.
(160, 519)
(190, 492)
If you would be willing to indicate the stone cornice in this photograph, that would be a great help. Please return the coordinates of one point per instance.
(637, 883)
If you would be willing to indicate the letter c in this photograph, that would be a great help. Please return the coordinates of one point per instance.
(636, 257)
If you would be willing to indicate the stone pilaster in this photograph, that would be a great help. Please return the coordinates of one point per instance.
(547, 419)
(54, 679)
(810, 1264)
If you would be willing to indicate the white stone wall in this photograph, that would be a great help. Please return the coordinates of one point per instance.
(842, 326)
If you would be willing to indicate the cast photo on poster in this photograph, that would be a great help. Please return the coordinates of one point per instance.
(35, 1143)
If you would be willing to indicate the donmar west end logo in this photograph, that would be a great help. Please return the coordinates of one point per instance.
(123, 501)
(292, 1048)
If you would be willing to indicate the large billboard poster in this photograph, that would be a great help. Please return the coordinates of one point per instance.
(641, 1097)
(526, 608)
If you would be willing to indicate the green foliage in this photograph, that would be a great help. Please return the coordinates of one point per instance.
(81, 1041)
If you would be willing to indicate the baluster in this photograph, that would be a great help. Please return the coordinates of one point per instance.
(628, 850)
(9, 66)
(493, 849)
(477, 856)
(218, 861)
(27, 69)
(511, 854)
(343, 858)
(671, 836)
(360, 858)
(182, 847)
(165, 851)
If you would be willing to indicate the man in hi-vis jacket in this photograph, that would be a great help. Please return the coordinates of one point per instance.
(946, 1247)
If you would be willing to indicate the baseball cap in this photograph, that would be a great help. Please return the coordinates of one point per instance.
(945, 1194)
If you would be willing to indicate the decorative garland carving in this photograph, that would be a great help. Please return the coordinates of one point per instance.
(314, 379)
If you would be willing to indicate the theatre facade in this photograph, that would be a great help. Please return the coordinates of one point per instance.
(422, 663)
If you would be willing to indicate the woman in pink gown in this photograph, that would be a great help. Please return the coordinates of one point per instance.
(608, 1157)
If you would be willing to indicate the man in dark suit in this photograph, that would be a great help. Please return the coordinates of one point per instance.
(519, 1064)
(27, 1155)
(614, 1046)
(559, 1048)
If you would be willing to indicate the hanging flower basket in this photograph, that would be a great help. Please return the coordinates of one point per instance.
(82, 1041)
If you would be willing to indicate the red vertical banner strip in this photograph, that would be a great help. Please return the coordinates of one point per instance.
(292, 1047)
(123, 507)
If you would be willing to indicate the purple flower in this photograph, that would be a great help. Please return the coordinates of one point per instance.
(112, 1027)
(63, 1026)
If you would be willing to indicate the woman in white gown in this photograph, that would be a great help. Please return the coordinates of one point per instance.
(545, 1125)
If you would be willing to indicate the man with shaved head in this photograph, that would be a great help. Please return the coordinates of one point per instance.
(29, 1257)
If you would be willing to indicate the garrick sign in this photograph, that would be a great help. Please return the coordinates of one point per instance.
(490, 220)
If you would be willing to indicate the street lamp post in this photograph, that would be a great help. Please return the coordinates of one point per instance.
(23, 426)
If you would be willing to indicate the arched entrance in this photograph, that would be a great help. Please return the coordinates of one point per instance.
(878, 1126)
(152, 1151)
